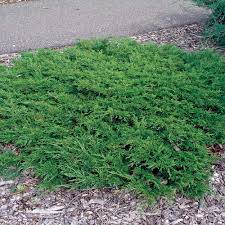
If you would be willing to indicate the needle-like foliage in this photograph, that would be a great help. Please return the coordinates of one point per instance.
(114, 113)
(215, 28)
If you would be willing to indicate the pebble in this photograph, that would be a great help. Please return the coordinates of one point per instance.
(199, 215)
(3, 207)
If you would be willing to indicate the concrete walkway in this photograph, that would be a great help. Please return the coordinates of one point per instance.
(54, 23)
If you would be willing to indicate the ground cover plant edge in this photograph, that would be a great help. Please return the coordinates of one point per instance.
(215, 27)
(114, 113)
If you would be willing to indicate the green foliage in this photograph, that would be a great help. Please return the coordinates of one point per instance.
(215, 28)
(115, 113)
(8, 163)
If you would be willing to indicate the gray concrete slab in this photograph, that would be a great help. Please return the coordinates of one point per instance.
(54, 23)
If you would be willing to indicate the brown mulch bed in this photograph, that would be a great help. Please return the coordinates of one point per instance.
(11, 1)
(7, 59)
(22, 203)
(187, 37)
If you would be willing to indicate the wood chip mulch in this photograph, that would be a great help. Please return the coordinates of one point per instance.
(22, 203)
(11, 1)
(187, 37)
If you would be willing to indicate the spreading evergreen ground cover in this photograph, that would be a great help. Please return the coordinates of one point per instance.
(114, 113)
(215, 28)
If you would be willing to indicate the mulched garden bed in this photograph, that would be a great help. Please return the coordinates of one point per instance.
(21, 203)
